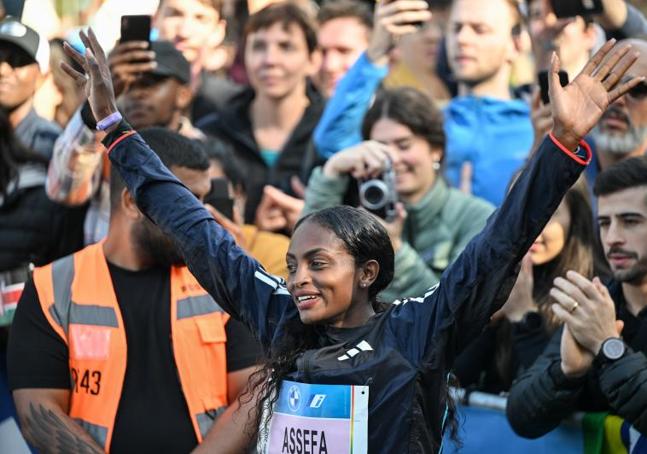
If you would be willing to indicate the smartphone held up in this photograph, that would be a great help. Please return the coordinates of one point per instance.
(572, 8)
(372, 3)
(543, 84)
(135, 28)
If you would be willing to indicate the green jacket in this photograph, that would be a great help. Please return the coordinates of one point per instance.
(435, 231)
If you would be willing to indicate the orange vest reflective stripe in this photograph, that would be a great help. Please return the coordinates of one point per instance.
(78, 300)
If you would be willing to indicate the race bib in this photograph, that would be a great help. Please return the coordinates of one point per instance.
(318, 419)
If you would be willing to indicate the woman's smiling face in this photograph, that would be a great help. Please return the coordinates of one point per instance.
(326, 284)
(551, 241)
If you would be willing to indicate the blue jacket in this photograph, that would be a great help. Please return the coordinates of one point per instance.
(414, 342)
(495, 136)
(340, 125)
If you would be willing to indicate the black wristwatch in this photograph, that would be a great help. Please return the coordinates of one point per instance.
(612, 350)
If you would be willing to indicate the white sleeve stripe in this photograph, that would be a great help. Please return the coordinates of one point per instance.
(431, 290)
(266, 279)
(417, 299)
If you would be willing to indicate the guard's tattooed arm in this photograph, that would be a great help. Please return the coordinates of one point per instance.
(46, 425)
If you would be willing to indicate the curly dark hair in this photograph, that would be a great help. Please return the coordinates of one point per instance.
(365, 239)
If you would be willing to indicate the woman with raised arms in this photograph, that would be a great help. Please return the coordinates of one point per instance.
(345, 373)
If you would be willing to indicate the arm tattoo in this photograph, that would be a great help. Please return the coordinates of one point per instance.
(52, 434)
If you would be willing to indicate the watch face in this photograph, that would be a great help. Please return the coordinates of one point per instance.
(613, 349)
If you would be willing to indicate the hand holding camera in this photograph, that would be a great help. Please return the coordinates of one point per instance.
(372, 164)
(366, 160)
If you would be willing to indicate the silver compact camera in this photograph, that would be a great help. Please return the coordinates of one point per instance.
(379, 195)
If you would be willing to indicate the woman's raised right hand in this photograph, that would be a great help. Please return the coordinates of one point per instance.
(367, 160)
(95, 79)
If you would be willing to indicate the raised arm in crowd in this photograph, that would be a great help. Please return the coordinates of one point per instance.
(320, 283)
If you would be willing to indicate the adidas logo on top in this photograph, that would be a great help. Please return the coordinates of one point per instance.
(361, 347)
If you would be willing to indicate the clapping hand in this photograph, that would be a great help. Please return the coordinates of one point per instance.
(578, 107)
(588, 312)
(587, 308)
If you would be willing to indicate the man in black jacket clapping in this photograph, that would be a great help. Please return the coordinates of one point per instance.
(587, 366)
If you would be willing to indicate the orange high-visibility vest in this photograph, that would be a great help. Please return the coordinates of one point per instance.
(78, 300)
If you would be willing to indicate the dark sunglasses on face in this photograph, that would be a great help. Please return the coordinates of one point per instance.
(14, 57)
(639, 92)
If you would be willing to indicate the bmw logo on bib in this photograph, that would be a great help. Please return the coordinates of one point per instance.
(294, 398)
(313, 418)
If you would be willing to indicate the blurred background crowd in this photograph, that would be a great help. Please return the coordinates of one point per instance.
(297, 103)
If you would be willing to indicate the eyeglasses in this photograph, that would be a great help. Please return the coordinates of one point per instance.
(639, 92)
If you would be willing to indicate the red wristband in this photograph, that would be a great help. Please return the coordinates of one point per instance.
(571, 154)
(122, 137)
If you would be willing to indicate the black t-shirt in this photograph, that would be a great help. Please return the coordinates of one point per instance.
(152, 414)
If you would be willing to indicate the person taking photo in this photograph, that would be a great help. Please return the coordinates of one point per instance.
(324, 330)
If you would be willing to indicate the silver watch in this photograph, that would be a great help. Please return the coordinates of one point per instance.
(613, 349)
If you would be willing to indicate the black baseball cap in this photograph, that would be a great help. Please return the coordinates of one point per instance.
(26, 38)
(170, 62)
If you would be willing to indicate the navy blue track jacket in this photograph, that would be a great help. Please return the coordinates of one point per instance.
(415, 341)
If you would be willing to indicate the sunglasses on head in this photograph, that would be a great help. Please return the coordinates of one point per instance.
(639, 92)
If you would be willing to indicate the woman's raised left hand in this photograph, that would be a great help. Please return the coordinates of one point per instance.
(578, 107)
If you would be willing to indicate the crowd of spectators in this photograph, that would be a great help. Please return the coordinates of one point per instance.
(271, 110)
